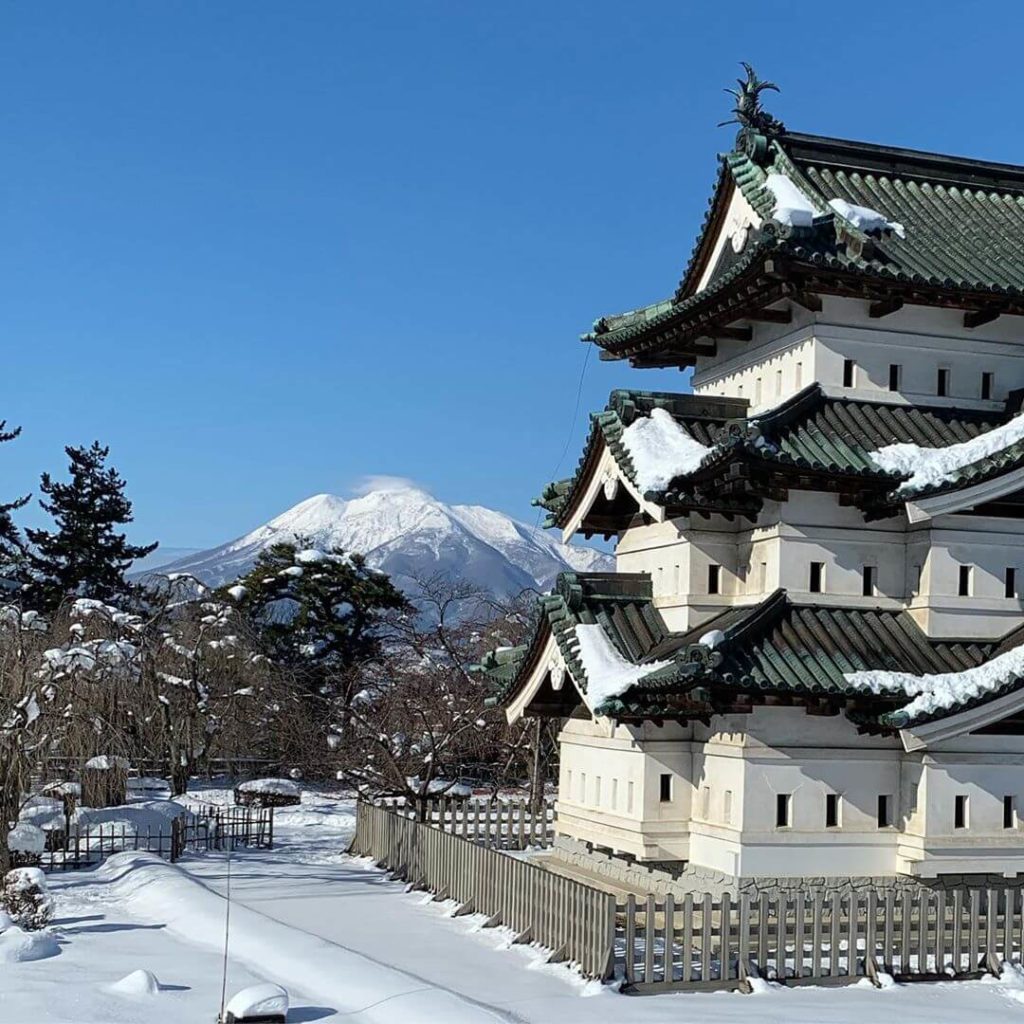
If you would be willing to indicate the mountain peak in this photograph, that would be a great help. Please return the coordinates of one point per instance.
(406, 532)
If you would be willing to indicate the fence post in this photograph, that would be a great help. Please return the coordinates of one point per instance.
(270, 840)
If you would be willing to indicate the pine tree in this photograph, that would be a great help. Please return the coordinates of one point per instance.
(320, 614)
(85, 555)
(12, 552)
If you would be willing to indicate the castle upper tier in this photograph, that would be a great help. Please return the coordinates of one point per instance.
(811, 658)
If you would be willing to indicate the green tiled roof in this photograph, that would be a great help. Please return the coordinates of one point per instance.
(812, 436)
(963, 220)
(619, 602)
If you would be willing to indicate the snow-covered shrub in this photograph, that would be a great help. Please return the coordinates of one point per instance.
(25, 899)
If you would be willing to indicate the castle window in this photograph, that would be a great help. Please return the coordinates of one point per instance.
(960, 812)
(665, 795)
(799, 375)
(964, 582)
(583, 787)
(816, 581)
(705, 802)
(783, 809)
(615, 794)
(895, 373)
(884, 816)
(757, 391)
(849, 371)
(868, 580)
(763, 573)
(942, 382)
(831, 810)
(778, 382)
(1010, 582)
(597, 791)
(629, 798)
(987, 380)
(714, 579)
(1009, 812)
(916, 577)
(727, 807)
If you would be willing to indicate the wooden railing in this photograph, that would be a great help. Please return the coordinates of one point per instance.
(917, 935)
(500, 824)
(573, 920)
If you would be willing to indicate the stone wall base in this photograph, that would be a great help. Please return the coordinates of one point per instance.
(680, 878)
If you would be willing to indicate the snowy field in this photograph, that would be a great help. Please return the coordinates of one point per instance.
(351, 946)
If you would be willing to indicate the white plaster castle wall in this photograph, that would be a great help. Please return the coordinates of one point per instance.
(725, 780)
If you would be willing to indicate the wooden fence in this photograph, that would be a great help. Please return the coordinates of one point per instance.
(210, 828)
(573, 920)
(697, 941)
(495, 823)
(916, 935)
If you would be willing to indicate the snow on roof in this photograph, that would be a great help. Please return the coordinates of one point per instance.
(943, 690)
(661, 450)
(865, 218)
(279, 787)
(928, 467)
(792, 207)
(609, 674)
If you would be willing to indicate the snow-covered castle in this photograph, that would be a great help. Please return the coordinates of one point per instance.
(810, 660)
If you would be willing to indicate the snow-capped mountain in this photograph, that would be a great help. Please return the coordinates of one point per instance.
(407, 533)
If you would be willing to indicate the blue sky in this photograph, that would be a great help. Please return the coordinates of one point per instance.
(265, 250)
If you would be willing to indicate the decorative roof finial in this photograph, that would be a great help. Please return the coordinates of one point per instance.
(748, 104)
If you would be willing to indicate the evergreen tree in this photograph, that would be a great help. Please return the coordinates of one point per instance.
(320, 614)
(85, 555)
(12, 552)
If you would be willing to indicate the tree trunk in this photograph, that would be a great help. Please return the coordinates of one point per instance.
(179, 777)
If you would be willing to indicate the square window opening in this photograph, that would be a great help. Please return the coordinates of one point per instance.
(1009, 812)
(849, 372)
(665, 793)
(831, 810)
(964, 581)
(942, 382)
(783, 809)
(960, 812)
(895, 374)
(1010, 582)
(816, 581)
(884, 815)
(868, 581)
(987, 380)
(714, 579)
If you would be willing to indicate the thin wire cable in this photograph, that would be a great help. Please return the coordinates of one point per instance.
(572, 426)
(227, 931)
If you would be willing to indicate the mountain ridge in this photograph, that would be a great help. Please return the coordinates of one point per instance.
(411, 535)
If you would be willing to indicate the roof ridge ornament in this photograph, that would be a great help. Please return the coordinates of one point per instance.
(748, 112)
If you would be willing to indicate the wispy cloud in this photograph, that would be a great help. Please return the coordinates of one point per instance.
(382, 482)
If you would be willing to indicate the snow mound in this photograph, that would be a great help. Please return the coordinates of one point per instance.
(608, 673)
(258, 1001)
(792, 207)
(927, 467)
(106, 763)
(866, 219)
(277, 787)
(712, 638)
(138, 983)
(151, 815)
(661, 450)
(26, 838)
(18, 946)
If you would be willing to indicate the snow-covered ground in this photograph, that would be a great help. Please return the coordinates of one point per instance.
(351, 946)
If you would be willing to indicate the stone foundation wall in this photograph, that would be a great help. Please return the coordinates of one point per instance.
(680, 878)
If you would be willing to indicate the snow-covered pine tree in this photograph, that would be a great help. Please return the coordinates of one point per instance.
(320, 615)
(85, 555)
